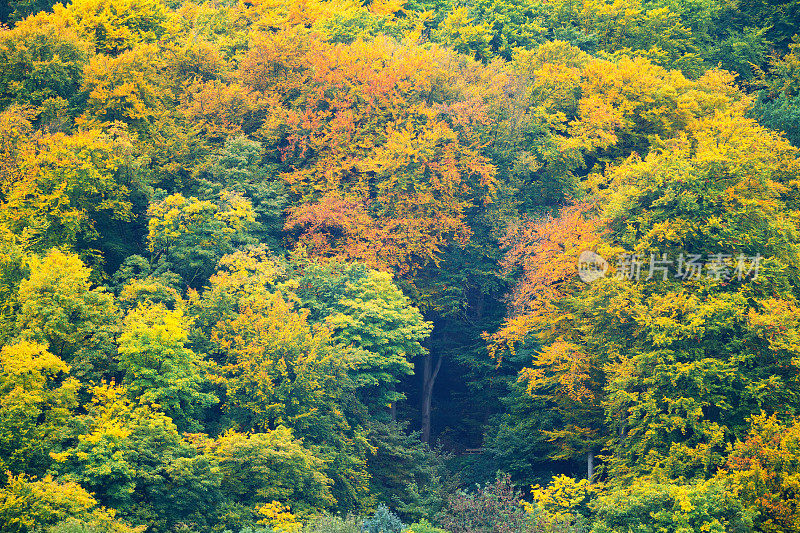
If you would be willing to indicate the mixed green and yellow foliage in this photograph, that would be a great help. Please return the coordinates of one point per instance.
(310, 265)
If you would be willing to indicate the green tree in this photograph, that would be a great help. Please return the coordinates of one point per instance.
(159, 368)
(374, 326)
(384, 330)
(779, 18)
(13, 269)
(17, 10)
(404, 472)
(709, 338)
(778, 104)
(239, 168)
(369, 317)
(40, 61)
(60, 308)
(192, 235)
(132, 458)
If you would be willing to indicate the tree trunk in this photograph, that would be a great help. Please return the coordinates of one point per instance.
(590, 465)
(393, 411)
(429, 373)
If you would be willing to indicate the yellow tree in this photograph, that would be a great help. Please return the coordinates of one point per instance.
(116, 26)
(60, 308)
(37, 400)
(28, 505)
(55, 189)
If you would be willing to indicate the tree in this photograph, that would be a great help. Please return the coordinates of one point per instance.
(13, 269)
(37, 401)
(132, 458)
(760, 470)
(369, 317)
(17, 10)
(27, 505)
(566, 371)
(60, 309)
(143, 88)
(779, 19)
(704, 506)
(382, 520)
(56, 189)
(40, 61)
(778, 104)
(280, 370)
(192, 235)
(159, 368)
(661, 358)
(260, 468)
(114, 27)
(660, 31)
(238, 168)
(404, 472)
(400, 198)
(132, 88)
(459, 33)
(366, 22)
(372, 324)
(372, 333)
(417, 169)
(709, 336)
(564, 501)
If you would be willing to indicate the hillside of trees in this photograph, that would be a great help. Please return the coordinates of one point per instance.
(426, 266)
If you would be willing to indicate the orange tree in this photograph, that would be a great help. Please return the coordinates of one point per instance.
(380, 143)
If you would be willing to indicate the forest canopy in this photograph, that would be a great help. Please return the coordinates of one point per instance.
(422, 266)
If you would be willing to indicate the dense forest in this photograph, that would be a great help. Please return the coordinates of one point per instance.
(432, 266)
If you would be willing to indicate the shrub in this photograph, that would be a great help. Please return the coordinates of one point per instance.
(383, 521)
(333, 524)
(494, 508)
